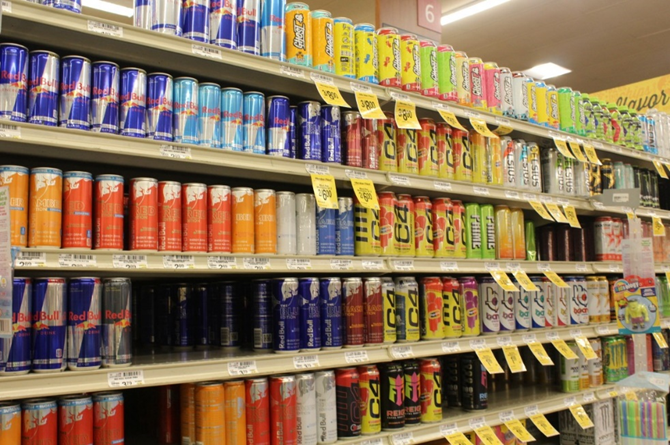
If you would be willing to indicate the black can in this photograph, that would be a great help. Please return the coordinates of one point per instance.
(474, 383)
(147, 313)
(183, 332)
(451, 381)
(392, 398)
(165, 316)
(595, 184)
(645, 188)
(607, 174)
(348, 393)
(412, 392)
(655, 199)
(637, 177)
(202, 311)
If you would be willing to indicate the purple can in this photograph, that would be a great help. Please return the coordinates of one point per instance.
(278, 125)
(309, 131)
(223, 23)
(49, 312)
(159, 106)
(18, 346)
(195, 20)
(74, 109)
(13, 82)
(105, 98)
(184, 317)
(331, 312)
(326, 231)
(310, 316)
(232, 134)
(293, 131)
(254, 122)
(43, 88)
(286, 315)
(249, 26)
(470, 301)
(132, 112)
(83, 324)
(227, 310)
(331, 149)
(262, 311)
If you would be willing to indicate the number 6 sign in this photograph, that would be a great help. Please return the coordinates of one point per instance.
(429, 13)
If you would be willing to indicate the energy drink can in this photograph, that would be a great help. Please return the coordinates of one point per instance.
(344, 47)
(407, 309)
(366, 230)
(386, 137)
(407, 151)
(492, 92)
(77, 222)
(75, 93)
(14, 95)
(470, 306)
(562, 314)
(83, 324)
(388, 49)
(253, 122)
(577, 298)
(389, 310)
(509, 162)
(353, 310)
(550, 303)
(423, 227)
(451, 392)
(522, 164)
(404, 236)
(367, 61)
(518, 234)
(429, 73)
(219, 219)
(306, 408)
(132, 107)
(552, 172)
(243, 220)
(473, 230)
(187, 411)
(387, 203)
(458, 223)
(373, 311)
(594, 296)
(553, 118)
(520, 95)
(473, 383)
(439, 213)
(232, 106)
(481, 159)
(39, 420)
(488, 231)
(568, 176)
(534, 169)
(507, 312)
(538, 304)
(209, 115)
(298, 34)
(392, 396)
(477, 93)
(283, 410)
(445, 153)
(235, 412)
(273, 43)
(595, 366)
(506, 92)
(286, 315)
(185, 105)
(427, 148)
(159, 106)
(463, 79)
(491, 295)
(18, 346)
(323, 48)
(261, 304)
(49, 324)
(326, 231)
(431, 390)
(105, 97)
(537, 103)
(330, 294)
(45, 207)
(463, 162)
(331, 147)
(430, 308)
(183, 305)
(352, 139)
(412, 392)
(495, 154)
(305, 216)
(446, 68)
(326, 401)
(410, 61)
(249, 26)
(371, 422)
(310, 314)
(607, 175)
(452, 308)
(570, 370)
(43, 88)
(309, 129)
(194, 217)
(108, 417)
(17, 178)
(108, 211)
(223, 24)
(348, 392)
(195, 20)
(344, 227)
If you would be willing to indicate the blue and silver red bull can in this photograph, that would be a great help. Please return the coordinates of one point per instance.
(209, 115)
(83, 324)
(49, 312)
(18, 346)
(223, 23)
(105, 97)
(309, 131)
(159, 106)
(325, 231)
(261, 297)
(195, 20)
(232, 106)
(13, 82)
(166, 16)
(74, 109)
(249, 26)
(68, 5)
(133, 102)
(43, 88)
(117, 318)
(344, 227)
(293, 129)
(331, 147)
(226, 308)
(273, 41)
(310, 314)
(185, 105)
(286, 315)
(331, 312)
(278, 126)
(254, 122)
(143, 14)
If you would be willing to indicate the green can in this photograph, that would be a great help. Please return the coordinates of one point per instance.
(624, 121)
(610, 371)
(531, 247)
(575, 104)
(566, 110)
(473, 231)
(488, 221)
(598, 119)
(586, 111)
(615, 123)
(428, 57)
(636, 126)
(663, 295)
(607, 123)
(446, 69)
(570, 370)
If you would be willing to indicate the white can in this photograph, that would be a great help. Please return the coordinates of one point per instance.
(325, 402)
(508, 161)
(582, 183)
(617, 233)
(522, 307)
(552, 171)
(594, 298)
(561, 299)
(595, 366)
(490, 293)
(306, 409)
(507, 92)
(538, 305)
(604, 308)
(534, 168)
(568, 176)
(603, 239)
(305, 216)
(577, 298)
(550, 303)
(520, 95)
(506, 312)
(286, 224)
(522, 164)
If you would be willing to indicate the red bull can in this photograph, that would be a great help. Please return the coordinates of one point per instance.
(17, 178)
(18, 348)
(331, 147)
(410, 61)
(253, 123)
(143, 214)
(77, 223)
(49, 324)
(249, 26)
(43, 88)
(105, 97)
(40, 422)
(185, 115)
(108, 416)
(306, 408)
(286, 313)
(278, 126)
(330, 293)
(283, 410)
(352, 139)
(108, 210)
(232, 137)
(388, 50)
(13, 82)
(75, 420)
(371, 421)
(75, 93)
(452, 308)
(159, 106)
(273, 43)
(223, 23)
(117, 318)
(132, 111)
(345, 44)
(429, 77)
(219, 221)
(194, 217)
(257, 404)
(347, 390)
(169, 216)
(431, 308)
(10, 421)
(323, 45)
(310, 316)
(367, 59)
(83, 323)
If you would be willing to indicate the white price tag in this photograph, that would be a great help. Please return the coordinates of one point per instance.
(74, 260)
(403, 438)
(529, 197)
(529, 338)
(221, 262)
(206, 51)
(511, 194)
(399, 179)
(483, 191)
(6, 6)
(569, 401)
(598, 145)
(543, 267)
(513, 267)
(477, 422)
(580, 267)
(449, 347)
(316, 77)
(10, 131)
(469, 113)
(449, 429)
(356, 357)
(298, 263)
(603, 330)
(377, 441)
(242, 368)
(598, 205)
(448, 266)
(292, 71)
(399, 96)
(31, 259)
(124, 379)
(442, 186)
(506, 416)
(357, 87)
(306, 361)
(402, 352)
(355, 174)
(477, 344)
(589, 397)
(491, 265)
(544, 199)
(105, 28)
(372, 264)
(129, 261)
(551, 336)
(614, 267)
(403, 264)
(256, 263)
(575, 333)
(178, 262)
(175, 151)
(562, 201)
(531, 410)
(317, 169)
(504, 340)
(341, 264)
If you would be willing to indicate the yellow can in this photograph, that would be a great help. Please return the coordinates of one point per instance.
(535, 176)
(410, 63)
(388, 50)
(386, 135)
(366, 231)
(495, 151)
(452, 311)
(298, 34)
(553, 117)
(344, 47)
(481, 167)
(445, 153)
(462, 155)
(404, 226)
(408, 151)
(427, 148)
(443, 237)
(541, 103)
(387, 201)
(431, 390)
(367, 62)
(460, 239)
(531, 95)
(423, 227)
(463, 78)
(323, 37)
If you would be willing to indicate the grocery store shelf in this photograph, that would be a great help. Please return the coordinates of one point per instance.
(441, 265)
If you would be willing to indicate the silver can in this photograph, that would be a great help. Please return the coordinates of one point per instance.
(305, 215)
(506, 312)
(629, 176)
(550, 304)
(522, 164)
(568, 176)
(286, 224)
(552, 171)
(116, 323)
(326, 401)
(508, 162)
(582, 184)
(490, 294)
(520, 95)
(507, 92)
(306, 409)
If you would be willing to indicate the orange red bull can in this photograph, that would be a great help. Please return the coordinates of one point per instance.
(462, 156)
(109, 212)
(194, 217)
(257, 402)
(40, 422)
(17, 178)
(235, 413)
(77, 210)
(460, 241)
(430, 307)
(431, 390)
(410, 61)
(219, 222)
(265, 221)
(169, 216)
(427, 148)
(210, 428)
(243, 220)
(445, 153)
(10, 423)
(46, 207)
(408, 151)
(386, 137)
(388, 49)
(387, 223)
(143, 214)
(187, 412)
(404, 226)
(441, 207)
(423, 227)
(298, 34)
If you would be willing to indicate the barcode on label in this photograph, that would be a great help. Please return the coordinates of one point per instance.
(212, 53)
(73, 260)
(257, 263)
(31, 259)
(221, 262)
(6, 6)
(356, 357)
(129, 261)
(125, 378)
(10, 131)
(5, 327)
(292, 71)
(105, 28)
(178, 262)
(177, 152)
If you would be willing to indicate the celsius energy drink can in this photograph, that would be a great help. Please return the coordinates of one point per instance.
(326, 399)
(286, 315)
(108, 211)
(388, 50)
(470, 305)
(298, 34)
(105, 97)
(232, 107)
(17, 178)
(18, 347)
(169, 216)
(77, 222)
(143, 214)
(223, 23)
(117, 318)
(83, 324)
(344, 47)
(185, 106)
(273, 43)
(323, 45)
(249, 26)
(46, 205)
(75, 93)
(347, 388)
(159, 106)
(132, 102)
(49, 324)
(14, 82)
(43, 88)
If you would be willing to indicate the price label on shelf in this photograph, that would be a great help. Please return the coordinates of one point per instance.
(400, 352)
(514, 359)
(372, 264)
(356, 357)
(581, 267)
(125, 379)
(519, 431)
(487, 436)
(405, 115)
(604, 330)
(564, 349)
(253, 263)
(659, 228)
(6, 6)
(306, 361)
(10, 131)
(206, 51)
(324, 190)
(449, 347)
(661, 169)
(457, 438)
(368, 106)
(405, 438)
(31, 259)
(442, 186)
(298, 263)
(556, 212)
(504, 126)
(525, 282)
(242, 368)
(660, 340)
(178, 262)
(448, 266)
(584, 345)
(580, 416)
(539, 208)
(489, 360)
(480, 127)
(591, 155)
(482, 191)
(451, 119)
(577, 151)
(105, 28)
(75, 260)
(175, 151)
(328, 91)
(399, 179)
(562, 147)
(337, 264)
(292, 71)
(540, 354)
(376, 441)
(365, 192)
(503, 280)
(543, 424)
(129, 261)
(554, 278)
(403, 265)
(221, 262)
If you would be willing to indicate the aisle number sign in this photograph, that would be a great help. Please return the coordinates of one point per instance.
(368, 106)
(405, 115)
(365, 192)
(324, 190)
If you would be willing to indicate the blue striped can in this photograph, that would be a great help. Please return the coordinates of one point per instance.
(223, 23)
(277, 126)
(293, 132)
(19, 345)
(331, 147)
(253, 122)
(159, 106)
(105, 97)
(185, 115)
(84, 335)
(310, 314)
(261, 297)
(232, 137)
(325, 231)
(344, 227)
(522, 308)
(195, 20)
(133, 106)
(74, 106)
(331, 312)
(286, 315)
(249, 26)
(166, 16)
(309, 131)
(49, 300)
(13, 82)
(209, 115)
(43, 88)
(143, 16)
(226, 307)
(68, 5)
(273, 43)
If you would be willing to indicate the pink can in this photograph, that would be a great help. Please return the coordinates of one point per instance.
(143, 214)
(492, 87)
(477, 87)
(219, 222)
(194, 217)
(109, 212)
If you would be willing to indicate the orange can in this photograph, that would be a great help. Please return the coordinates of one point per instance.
(46, 207)
(194, 217)
(210, 420)
(169, 216)
(236, 417)
(77, 210)
(243, 220)
(187, 408)
(17, 178)
(219, 230)
(265, 221)
(10, 423)
(143, 214)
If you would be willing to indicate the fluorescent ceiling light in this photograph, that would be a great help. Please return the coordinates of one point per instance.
(109, 7)
(546, 71)
(471, 10)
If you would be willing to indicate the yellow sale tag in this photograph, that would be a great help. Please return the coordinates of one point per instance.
(660, 339)
(571, 215)
(585, 346)
(590, 152)
(480, 127)
(667, 275)
(514, 358)
(487, 436)
(503, 280)
(457, 439)
(503, 130)
(563, 148)
(556, 212)
(543, 425)
(577, 151)
(564, 349)
(324, 191)
(661, 170)
(613, 394)
(554, 278)
(581, 417)
(489, 361)
(365, 192)
(450, 118)
(539, 208)
(631, 215)
(659, 228)
(630, 395)
(520, 431)
(331, 94)
(540, 354)
(405, 115)
(525, 282)
(368, 106)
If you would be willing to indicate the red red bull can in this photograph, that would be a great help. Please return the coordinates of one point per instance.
(430, 308)
(75, 420)
(219, 221)
(10, 423)
(410, 61)
(194, 217)
(168, 414)
(143, 214)
(370, 145)
(40, 422)
(169, 216)
(17, 178)
(83, 324)
(108, 414)
(353, 303)
(373, 311)
(46, 206)
(347, 387)
(77, 210)
(108, 212)
(352, 139)
(431, 390)
(427, 148)
(423, 227)
(370, 387)
(257, 398)
(283, 410)
(445, 154)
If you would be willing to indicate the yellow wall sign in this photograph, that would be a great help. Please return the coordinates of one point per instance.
(640, 96)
